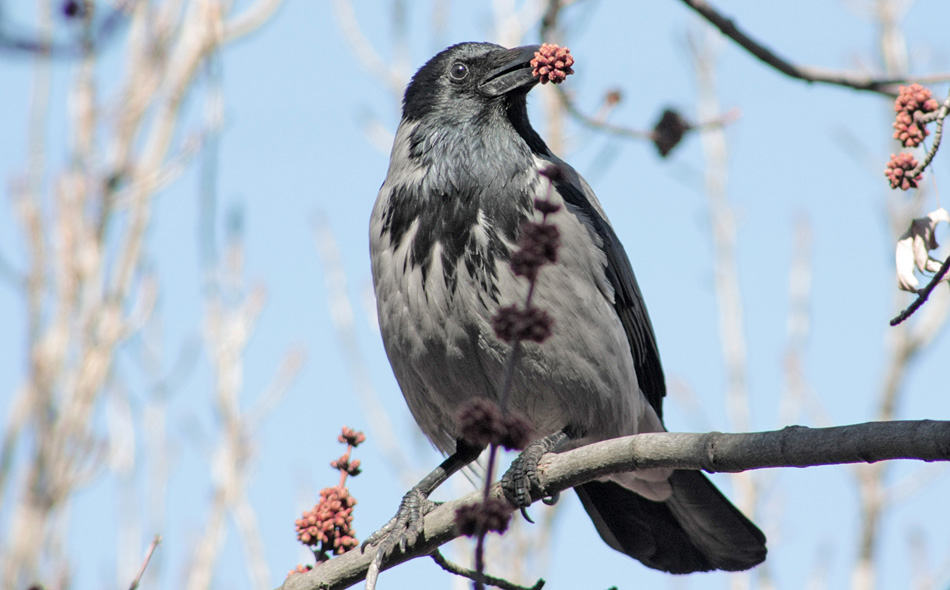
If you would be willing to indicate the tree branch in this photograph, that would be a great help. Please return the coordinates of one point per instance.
(923, 294)
(856, 81)
(454, 568)
(793, 446)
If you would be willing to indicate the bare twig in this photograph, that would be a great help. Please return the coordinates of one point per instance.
(250, 19)
(454, 568)
(856, 81)
(394, 78)
(148, 557)
(342, 317)
(923, 294)
(599, 123)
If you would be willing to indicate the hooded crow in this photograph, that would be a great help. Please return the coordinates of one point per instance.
(465, 168)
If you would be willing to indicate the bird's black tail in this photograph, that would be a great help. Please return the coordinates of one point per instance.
(696, 529)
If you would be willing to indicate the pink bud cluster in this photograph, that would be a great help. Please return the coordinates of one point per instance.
(327, 527)
(912, 106)
(911, 100)
(351, 437)
(552, 63)
(350, 467)
(898, 169)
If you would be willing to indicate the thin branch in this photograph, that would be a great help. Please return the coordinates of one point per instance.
(923, 294)
(793, 446)
(363, 49)
(598, 122)
(454, 568)
(148, 557)
(856, 81)
(342, 317)
(251, 19)
(939, 116)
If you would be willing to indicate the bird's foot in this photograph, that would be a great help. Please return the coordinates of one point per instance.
(404, 528)
(401, 531)
(521, 482)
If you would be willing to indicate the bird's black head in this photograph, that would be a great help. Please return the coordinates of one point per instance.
(479, 84)
(467, 78)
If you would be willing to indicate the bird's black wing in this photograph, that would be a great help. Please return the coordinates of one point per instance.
(628, 301)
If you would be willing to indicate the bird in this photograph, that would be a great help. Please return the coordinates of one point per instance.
(465, 167)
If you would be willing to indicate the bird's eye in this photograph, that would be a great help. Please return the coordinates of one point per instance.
(458, 71)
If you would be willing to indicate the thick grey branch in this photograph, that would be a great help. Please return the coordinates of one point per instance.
(793, 446)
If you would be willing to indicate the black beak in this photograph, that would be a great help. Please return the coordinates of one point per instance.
(513, 73)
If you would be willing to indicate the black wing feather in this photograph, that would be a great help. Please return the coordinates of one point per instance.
(628, 301)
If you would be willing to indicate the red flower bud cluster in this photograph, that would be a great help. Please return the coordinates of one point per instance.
(327, 527)
(482, 422)
(491, 515)
(911, 100)
(351, 437)
(897, 171)
(345, 464)
(552, 63)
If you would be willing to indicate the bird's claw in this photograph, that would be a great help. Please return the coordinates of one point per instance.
(403, 529)
(521, 482)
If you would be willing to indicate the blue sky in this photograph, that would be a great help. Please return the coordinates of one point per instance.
(294, 151)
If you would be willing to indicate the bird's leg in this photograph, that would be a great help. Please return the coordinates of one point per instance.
(404, 528)
(521, 481)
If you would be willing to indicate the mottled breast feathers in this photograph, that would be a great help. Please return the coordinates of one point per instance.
(468, 206)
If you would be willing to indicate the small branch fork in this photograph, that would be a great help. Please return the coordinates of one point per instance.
(793, 446)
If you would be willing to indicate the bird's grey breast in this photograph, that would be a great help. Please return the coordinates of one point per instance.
(454, 205)
(443, 227)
